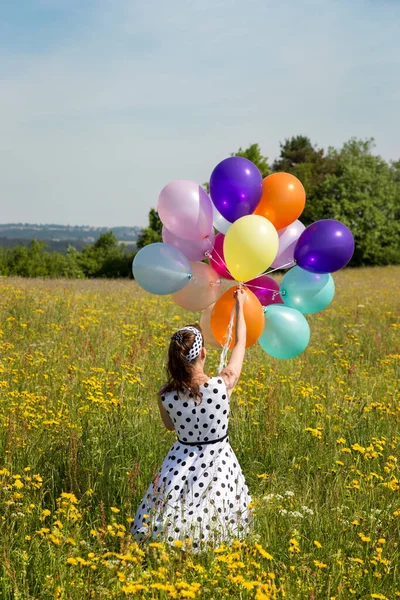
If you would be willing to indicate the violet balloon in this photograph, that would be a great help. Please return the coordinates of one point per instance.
(193, 249)
(266, 289)
(185, 209)
(217, 259)
(235, 187)
(324, 247)
(287, 243)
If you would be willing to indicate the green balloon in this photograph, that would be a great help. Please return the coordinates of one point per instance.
(286, 332)
(307, 292)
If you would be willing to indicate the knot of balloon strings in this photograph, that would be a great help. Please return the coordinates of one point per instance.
(229, 333)
(225, 349)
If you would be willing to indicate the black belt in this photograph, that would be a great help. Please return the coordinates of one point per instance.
(203, 443)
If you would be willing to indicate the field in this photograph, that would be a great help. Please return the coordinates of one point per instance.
(317, 438)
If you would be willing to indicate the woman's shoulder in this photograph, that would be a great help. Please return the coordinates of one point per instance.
(215, 380)
(166, 393)
(163, 392)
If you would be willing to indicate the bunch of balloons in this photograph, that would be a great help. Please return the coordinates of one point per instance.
(248, 225)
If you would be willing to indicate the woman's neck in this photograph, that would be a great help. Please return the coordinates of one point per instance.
(198, 374)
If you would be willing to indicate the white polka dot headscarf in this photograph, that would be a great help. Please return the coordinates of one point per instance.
(197, 344)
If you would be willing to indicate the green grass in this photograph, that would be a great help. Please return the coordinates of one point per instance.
(317, 438)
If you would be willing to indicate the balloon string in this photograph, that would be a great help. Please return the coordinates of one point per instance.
(212, 283)
(224, 353)
(208, 254)
(281, 267)
(259, 287)
(271, 271)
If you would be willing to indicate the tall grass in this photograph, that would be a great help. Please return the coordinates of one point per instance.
(317, 438)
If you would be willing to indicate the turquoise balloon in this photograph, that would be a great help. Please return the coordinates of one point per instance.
(286, 332)
(307, 292)
(161, 269)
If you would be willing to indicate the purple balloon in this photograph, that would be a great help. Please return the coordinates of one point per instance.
(324, 247)
(193, 249)
(236, 187)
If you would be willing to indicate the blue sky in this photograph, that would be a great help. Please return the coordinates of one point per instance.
(103, 102)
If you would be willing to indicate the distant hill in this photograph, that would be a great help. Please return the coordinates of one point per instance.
(59, 237)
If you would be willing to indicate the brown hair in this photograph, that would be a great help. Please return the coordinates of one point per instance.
(179, 369)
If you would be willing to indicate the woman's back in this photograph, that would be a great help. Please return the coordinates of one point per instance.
(199, 419)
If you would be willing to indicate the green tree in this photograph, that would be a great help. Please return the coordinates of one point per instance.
(363, 192)
(106, 242)
(253, 153)
(4, 266)
(151, 233)
(71, 268)
(17, 260)
(311, 165)
(295, 151)
(105, 258)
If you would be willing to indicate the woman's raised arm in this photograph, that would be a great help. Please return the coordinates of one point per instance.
(231, 372)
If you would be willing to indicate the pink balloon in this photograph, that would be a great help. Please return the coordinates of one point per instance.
(287, 242)
(203, 289)
(266, 289)
(185, 209)
(205, 325)
(192, 249)
(217, 259)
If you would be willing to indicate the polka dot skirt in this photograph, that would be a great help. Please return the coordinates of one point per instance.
(200, 491)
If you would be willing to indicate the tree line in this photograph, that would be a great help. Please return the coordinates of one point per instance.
(350, 184)
(104, 258)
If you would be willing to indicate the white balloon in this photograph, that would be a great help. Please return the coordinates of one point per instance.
(219, 222)
(287, 242)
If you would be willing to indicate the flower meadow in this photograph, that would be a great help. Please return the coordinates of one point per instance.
(81, 438)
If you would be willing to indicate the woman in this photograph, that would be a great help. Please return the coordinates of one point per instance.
(200, 491)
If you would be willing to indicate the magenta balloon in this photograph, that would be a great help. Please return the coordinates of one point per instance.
(287, 243)
(236, 187)
(217, 259)
(185, 209)
(192, 249)
(266, 289)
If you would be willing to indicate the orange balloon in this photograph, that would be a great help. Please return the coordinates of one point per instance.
(221, 315)
(282, 200)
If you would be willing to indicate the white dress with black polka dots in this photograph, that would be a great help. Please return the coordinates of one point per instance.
(200, 491)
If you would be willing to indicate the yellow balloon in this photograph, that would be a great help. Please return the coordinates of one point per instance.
(250, 246)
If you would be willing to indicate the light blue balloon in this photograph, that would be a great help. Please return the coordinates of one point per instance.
(161, 269)
(286, 332)
(307, 292)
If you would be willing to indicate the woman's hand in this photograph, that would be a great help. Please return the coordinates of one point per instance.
(240, 295)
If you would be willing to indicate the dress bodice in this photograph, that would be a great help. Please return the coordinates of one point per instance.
(199, 421)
